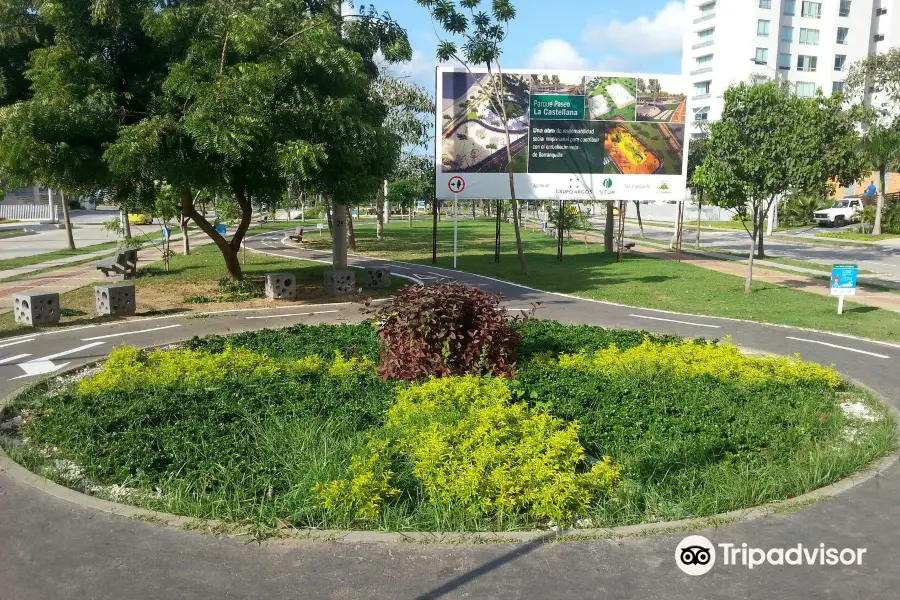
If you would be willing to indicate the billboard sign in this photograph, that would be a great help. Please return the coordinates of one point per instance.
(576, 135)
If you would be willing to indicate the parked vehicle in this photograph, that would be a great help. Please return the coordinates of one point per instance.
(139, 219)
(842, 212)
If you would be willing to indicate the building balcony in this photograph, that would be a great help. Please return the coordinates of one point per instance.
(703, 70)
(702, 45)
(705, 18)
(700, 97)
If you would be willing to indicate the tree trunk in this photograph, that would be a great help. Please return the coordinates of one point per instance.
(228, 249)
(350, 233)
(760, 249)
(497, 232)
(409, 217)
(67, 221)
(748, 282)
(126, 226)
(328, 216)
(637, 207)
(609, 245)
(879, 207)
(473, 210)
(699, 214)
(185, 241)
(379, 214)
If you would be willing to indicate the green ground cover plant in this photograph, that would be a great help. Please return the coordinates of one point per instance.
(592, 426)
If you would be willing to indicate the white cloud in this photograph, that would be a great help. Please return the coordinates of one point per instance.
(420, 65)
(660, 34)
(556, 54)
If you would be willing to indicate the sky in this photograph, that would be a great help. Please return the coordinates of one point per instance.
(632, 36)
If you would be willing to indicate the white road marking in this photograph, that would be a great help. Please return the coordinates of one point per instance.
(112, 335)
(675, 321)
(322, 312)
(41, 366)
(858, 351)
(17, 342)
(520, 309)
(12, 358)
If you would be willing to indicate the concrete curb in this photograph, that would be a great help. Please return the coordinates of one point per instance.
(290, 535)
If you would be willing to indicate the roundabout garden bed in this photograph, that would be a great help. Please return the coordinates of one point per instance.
(446, 416)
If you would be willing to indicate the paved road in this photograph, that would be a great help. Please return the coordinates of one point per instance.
(51, 549)
(875, 258)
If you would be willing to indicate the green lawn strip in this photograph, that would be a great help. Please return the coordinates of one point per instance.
(857, 236)
(250, 449)
(14, 233)
(637, 281)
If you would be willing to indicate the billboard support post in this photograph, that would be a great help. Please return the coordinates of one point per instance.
(455, 226)
(559, 230)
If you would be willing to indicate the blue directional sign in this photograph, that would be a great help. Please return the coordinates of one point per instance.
(843, 280)
(220, 229)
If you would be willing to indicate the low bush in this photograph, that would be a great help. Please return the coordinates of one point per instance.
(470, 447)
(550, 338)
(445, 329)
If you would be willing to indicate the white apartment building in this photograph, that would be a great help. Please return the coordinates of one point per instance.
(809, 44)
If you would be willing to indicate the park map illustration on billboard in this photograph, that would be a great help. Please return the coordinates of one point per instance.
(573, 135)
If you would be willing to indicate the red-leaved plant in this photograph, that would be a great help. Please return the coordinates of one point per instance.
(445, 329)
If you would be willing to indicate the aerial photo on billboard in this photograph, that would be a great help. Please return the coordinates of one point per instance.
(572, 134)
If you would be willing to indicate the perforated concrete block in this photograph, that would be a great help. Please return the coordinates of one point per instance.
(378, 277)
(340, 282)
(281, 286)
(36, 309)
(115, 299)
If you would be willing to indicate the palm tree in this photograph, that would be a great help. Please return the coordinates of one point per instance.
(881, 147)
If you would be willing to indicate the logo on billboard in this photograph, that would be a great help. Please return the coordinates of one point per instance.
(664, 187)
(607, 183)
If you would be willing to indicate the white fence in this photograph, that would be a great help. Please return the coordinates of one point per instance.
(28, 212)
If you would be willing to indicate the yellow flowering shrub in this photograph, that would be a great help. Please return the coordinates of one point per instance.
(342, 367)
(723, 362)
(362, 495)
(129, 367)
(470, 446)
(310, 364)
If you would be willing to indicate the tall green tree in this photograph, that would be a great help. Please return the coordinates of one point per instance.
(769, 142)
(476, 40)
(879, 145)
(264, 96)
(696, 176)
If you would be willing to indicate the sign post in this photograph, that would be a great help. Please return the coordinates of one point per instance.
(843, 283)
(456, 185)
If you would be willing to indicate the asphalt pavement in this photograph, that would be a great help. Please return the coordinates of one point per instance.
(52, 549)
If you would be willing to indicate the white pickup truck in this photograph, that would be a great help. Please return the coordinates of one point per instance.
(842, 212)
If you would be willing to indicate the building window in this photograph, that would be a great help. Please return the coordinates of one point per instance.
(765, 3)
(789, 8)
(701, 114)
(880, 11)
(879, 37)
(807, 63)
(840, 61)
(708, 9)
(845, 8)
(812, 10)
(784, 62)
(762, 28)
(842, 35)
(809, 36)
(762, 56)
(837, 87)
(787, 34)
(706, 34)
(703, 61)
(805, 89)
(701, 88)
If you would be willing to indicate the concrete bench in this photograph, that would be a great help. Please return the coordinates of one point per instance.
(124, 263)
(297, 236)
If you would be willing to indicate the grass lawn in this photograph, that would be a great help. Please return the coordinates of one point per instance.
(637, 281)
(857, 236)
(13, 233)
